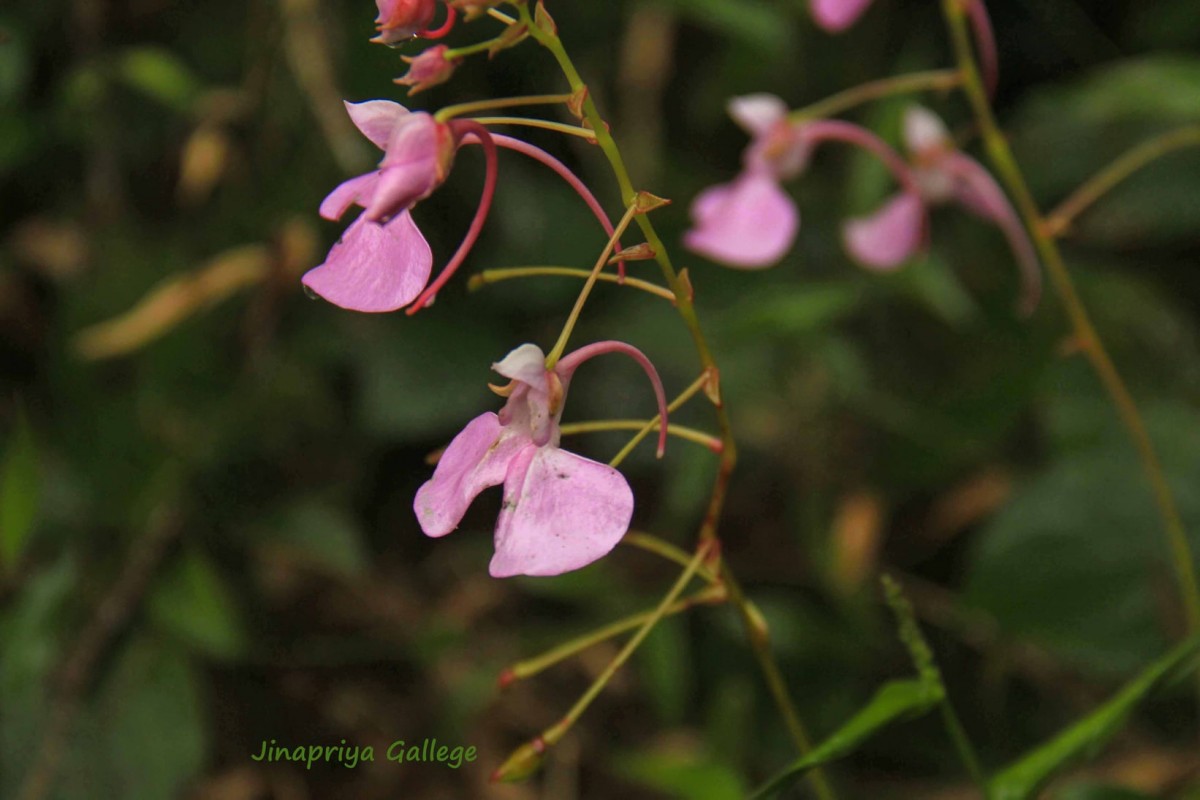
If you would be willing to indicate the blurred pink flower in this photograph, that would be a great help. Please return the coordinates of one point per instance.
(836, 16)
(945, 174)
(560, 511)
(751, 222)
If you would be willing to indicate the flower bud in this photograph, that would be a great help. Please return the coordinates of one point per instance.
(400, 20)
(472, 9)
(428, 69)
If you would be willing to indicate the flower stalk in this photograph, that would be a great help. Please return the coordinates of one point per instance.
(681, 288)
(1085, 333)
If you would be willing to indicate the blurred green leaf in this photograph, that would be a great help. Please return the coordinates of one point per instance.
(324, 536)
(1084, 739)
(30, 631)
(893, 702)
(20, 488)
(161, 75)
(1073, 573)
(144, 736)
(1091, 791)
(756, 23)
(193, 602)
(791, 311)
(666, 663)
(682, 774)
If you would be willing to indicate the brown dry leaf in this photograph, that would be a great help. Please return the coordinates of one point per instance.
(173, 301)
(968, 503)
(857, 537)
(203, 162)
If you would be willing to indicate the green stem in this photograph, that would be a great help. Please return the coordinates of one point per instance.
(681, 287)
(644, 431)
(682, 432)
(1059, 220)
(544, 124)
(565, 335)
(532, 666)
(661, 547)
(885, 87)
(449, 112)
(489, 276)
(1085, 333)
(479, 47)
(555, 732)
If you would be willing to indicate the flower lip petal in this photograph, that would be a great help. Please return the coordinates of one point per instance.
(750, 223)
(477, 458)
(890, 236)
(374, 268)
(561, 512)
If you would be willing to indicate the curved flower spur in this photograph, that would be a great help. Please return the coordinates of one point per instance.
(560, 511)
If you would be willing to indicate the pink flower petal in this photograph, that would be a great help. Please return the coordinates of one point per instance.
(925, 134)
(375, 119)
(750, 223)
(561, 512)
(838, 15)
(887, 238)
(757, 113)
(477, 458)
(975, 188)
(526, 364)
(374, 267)
(356, 190)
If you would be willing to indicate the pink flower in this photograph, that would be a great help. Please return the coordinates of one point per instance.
(560, 511)
(944, 174)
(428, 69)
(400, 20)
(836, 16)
(382, 262)
(752, 222)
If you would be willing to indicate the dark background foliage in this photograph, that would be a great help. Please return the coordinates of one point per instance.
(206, 536)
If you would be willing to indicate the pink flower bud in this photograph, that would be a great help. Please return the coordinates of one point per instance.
(428, 69)
(402, 19)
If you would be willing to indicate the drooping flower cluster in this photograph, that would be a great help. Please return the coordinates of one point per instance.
(560, 511)
(752, 222)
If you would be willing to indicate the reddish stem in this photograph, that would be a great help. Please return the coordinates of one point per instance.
(985, 44)
(451, 16)
(569, 363)
(462, 127)
(564, 172)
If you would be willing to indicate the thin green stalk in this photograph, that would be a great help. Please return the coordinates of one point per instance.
(555, 732)
(565, 335)
(687, 394)
(874, 90)
(1059, 220)
(680, 431)
(489, 276)
(1085, 333)
(449, 112)
(681, 287)
(543, 124)
(529, 667)
(661, 547)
